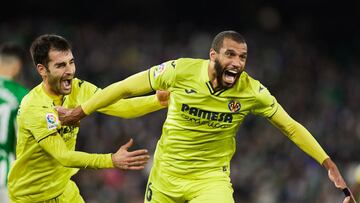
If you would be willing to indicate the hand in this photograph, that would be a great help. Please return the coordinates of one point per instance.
(135, 160)
(337, 179)
(163, 97)
(70, 116)
(349, 199)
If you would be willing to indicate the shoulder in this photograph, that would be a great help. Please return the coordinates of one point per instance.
(188, 62)
(35, 98)
(81, 91)
(37, 112)
(255, 88)
(79, 85)
(262, 93)
(249, 84)
(187, 67)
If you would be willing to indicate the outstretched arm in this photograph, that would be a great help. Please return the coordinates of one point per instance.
(298, 134)
(305, 141)
(137, 106)
(56, 147)
(134, 85)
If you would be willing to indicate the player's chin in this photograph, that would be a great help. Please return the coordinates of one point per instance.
(65, 91)
(228, 85)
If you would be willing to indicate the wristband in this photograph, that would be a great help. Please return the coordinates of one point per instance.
(346, 192)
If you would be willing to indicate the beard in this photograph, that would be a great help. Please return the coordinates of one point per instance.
(221, 72)
(55, 84)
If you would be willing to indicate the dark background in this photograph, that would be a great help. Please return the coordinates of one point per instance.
(305, 52)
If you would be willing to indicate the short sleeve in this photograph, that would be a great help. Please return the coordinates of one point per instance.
(266, 104)
(163, 76)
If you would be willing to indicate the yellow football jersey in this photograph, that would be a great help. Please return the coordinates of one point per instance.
(36, 175)
(200, 128)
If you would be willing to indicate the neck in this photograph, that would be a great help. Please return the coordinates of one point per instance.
(212, 76)
(50, 92)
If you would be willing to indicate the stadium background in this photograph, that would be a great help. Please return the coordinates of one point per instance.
(306, 53)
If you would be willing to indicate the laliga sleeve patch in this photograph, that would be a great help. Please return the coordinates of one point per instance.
(52, 121)
(159, 70)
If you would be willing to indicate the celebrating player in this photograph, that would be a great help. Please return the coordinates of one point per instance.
(208, 102)
(45, 150)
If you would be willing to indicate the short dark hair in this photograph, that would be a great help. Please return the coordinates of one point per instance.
(10, 49)
(219, 39)
(42, 45)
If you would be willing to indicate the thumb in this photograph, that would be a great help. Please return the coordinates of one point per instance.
(128, 144)
(334, 179)
(346, 200)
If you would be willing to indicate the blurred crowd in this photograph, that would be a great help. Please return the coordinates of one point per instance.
(315, 81)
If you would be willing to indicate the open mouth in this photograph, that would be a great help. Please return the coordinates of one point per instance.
(230, 76)
(66, 84)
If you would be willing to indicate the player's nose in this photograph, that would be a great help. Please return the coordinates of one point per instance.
(236, 63)
(70, 70)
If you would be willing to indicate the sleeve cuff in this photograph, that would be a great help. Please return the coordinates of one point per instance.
(109, 162)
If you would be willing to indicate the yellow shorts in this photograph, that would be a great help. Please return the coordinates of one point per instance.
(70, 194)
(166, 188)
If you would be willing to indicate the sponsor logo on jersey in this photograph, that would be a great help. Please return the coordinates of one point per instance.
(52, 121)
(214, 116)
(234, 106)
(202, 117)
(159, 70)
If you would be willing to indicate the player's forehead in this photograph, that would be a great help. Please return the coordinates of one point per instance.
(231, 45)
(56, 56)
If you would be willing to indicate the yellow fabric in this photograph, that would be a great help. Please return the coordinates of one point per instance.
(56, 147)
(298, 134)
(199, 133)
(163, 187)
(133, 107)
(40, 174)
(134, 85)
(70, 194)
(36, 175)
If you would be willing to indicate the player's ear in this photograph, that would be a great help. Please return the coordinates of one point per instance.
(41, 69)
(212, 54)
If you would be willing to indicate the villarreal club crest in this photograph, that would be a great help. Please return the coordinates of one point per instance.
(234, 106)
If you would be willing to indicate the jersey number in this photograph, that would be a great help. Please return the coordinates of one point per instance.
(148, 193)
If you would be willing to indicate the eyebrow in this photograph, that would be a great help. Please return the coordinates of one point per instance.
(63, 63)
(60, 64)
(233, 51)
